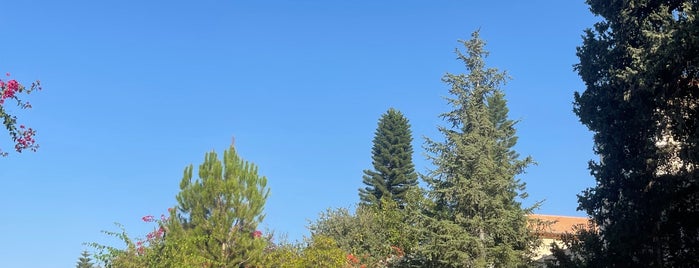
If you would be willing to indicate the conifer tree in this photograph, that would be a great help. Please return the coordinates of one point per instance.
(476, 219)
(84, 261)
(217, 214)
(640, 68)
(392, 158)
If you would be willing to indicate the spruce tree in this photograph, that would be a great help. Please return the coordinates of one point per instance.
(84, 261)
(215, 221)
(392, 158)
(476, 219)
(639, 65)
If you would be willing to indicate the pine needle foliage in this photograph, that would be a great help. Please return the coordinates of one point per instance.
(85, 261)
(392, 158)
(217, 214)
(477, 219)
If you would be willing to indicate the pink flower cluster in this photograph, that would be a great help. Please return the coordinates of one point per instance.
(25, 139)
(153, 237)
(148, 218)
(22, 136)
(156, 234)
(9, 90)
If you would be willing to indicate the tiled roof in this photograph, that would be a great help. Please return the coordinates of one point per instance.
(554, 226)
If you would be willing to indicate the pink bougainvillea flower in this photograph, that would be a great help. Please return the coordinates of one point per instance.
(13, 84)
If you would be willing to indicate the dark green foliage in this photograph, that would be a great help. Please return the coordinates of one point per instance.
(582, 248)
(476, 220)
(392, 158)
(639, 65)
(84, 261)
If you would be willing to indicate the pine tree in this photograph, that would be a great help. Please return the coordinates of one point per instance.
(392, 158)
(476, 220)
(217, 215)
(84, 261)
(639, 65)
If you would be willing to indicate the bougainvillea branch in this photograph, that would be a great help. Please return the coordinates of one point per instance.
(22, 137)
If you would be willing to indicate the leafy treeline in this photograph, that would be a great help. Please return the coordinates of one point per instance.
(469, 215)
(639, 65)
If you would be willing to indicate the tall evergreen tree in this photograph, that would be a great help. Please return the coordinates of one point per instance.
(84, 261)
(639, 65)
(392, 158)
(217, 215)
(476, 220)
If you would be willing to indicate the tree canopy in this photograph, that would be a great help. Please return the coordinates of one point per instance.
(219, 212)
(392, 159)
(476, 219)
(214, 223)
(639, 65)
(84, 261)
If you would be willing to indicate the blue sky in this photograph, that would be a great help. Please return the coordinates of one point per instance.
(134, 91)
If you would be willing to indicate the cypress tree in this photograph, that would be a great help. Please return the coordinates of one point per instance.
(639, 65)
(392, 159)
(476, 219)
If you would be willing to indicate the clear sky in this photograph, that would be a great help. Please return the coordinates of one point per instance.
(134, 91)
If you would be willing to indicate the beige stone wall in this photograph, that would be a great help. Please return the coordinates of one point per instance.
(544, 248)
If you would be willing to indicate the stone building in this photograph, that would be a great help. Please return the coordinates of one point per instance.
(551, 228)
